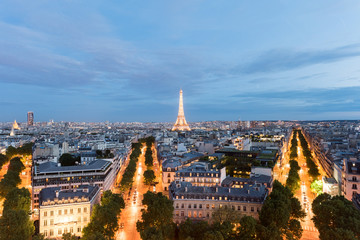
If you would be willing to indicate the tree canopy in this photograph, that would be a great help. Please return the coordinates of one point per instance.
(67, 159)
(104, 218)
(157, 217)
(336, 217)
(149, 177)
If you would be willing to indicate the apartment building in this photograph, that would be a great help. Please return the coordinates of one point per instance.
(66, 211)
(198, 203)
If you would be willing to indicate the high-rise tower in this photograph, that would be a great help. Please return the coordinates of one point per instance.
(30, 118)
(181, 124)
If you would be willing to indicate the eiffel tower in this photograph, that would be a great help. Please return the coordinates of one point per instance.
(181, 124)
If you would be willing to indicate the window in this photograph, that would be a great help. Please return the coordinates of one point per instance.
(79, 219)
(85, 219)
(239, 208)
(45, 222)
(213, 206)
(79, 229)
(85, 209)
(354, 186)
(51, 213)
(51, 232)
(168, 180)
(51, 222)
(177, 205)
(252, 209)
(79, 210)
(45, 214)
(207, 215)
(177, 213)
(200, 214)
(200, 205)
(65, 211)
(189, 206)
(189, 214)
(45, 233)
(354, 178)
(207, 206)
(195, 214)
(59, 231)
(168, 175)
(60, 212)
(71, 211)
(65, 230)
(220, 205)
(182, 213)
(244, 208)
(182, 205)
(195, 206)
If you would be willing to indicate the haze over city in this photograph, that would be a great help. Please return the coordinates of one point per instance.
(268, 60)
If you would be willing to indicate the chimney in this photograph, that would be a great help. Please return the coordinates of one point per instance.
(185, 189)
(229, 190)
(57, 193)
(216, 189)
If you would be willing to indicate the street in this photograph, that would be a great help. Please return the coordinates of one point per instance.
(132, 212)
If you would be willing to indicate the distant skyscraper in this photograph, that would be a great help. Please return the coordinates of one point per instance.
(181, 124)
(30, 118)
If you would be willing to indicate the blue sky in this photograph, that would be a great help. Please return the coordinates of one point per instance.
(126, 60)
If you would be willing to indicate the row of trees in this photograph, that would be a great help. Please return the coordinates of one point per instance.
(313, 169)
(293, 148)
(25, 149)
(336, 218)
(149, 175)
(293, 180)
(127, 179)
(15, 222)
(12, 178)
(3, 160)
(279, 218)
(104, 218)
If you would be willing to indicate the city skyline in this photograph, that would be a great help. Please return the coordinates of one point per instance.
(126, 62)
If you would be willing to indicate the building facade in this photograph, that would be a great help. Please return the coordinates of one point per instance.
(198, 203)
(66, 211)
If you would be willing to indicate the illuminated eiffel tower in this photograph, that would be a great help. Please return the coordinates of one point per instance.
(181, 124)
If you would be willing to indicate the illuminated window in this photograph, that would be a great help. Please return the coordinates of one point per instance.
(65, 211)
(51, 232)
(65, 230)
(71, 211)
(51, 222)
(71, 229)
(59, 231)
(79, 219)
(177, 213)
(45, 233)
(51, 213)
(85, 219)
(195, 214)
(85, 209)
(60, 211)
(45, 222)
(45, 214)
(189, 214)
(79, 229)
(213, 206)
(79, 210)
(207, 206)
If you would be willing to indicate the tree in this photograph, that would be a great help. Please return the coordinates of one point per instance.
(16, 165)
(67, 159)
(11, 180)
(18, 199)
(149, 177)
(280, 215)
(226, 213)
(336, 217)
(3, 160)
(16, 225)
(69, 236)
(247, 229)
(317, 186)
(38, 237)
(104, 219)
(158, 214)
